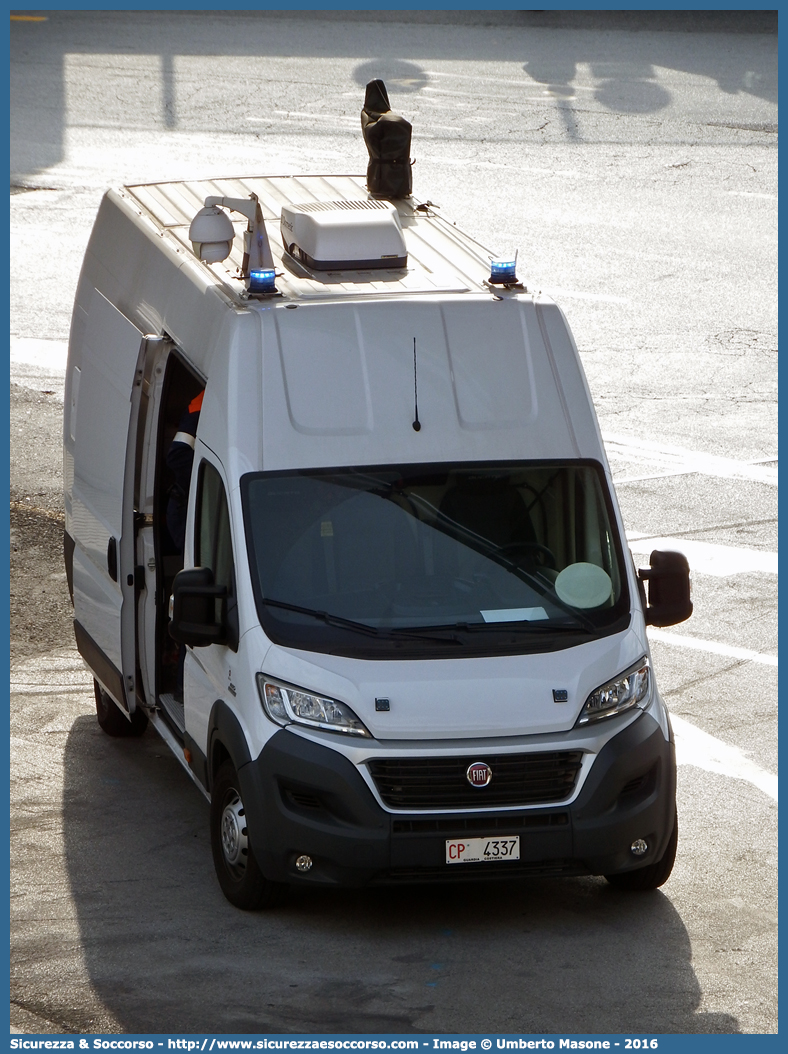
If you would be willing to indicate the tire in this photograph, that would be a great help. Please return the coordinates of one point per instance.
(652, 876)
(113, 721)
(239, 876)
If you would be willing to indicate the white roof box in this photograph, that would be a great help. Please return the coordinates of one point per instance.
(344, 235)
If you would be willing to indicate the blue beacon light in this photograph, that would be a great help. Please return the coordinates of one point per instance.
(503, 270)
(262, 281)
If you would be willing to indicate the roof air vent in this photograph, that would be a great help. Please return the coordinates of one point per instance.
(344, 235)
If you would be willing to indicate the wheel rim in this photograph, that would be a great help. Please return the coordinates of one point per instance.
(235, 844)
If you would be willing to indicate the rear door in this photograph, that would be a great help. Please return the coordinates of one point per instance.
(105, 443)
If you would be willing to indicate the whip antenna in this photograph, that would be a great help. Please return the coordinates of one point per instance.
(416, 422)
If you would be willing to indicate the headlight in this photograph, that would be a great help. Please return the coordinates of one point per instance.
(627, 690)
(287, 705)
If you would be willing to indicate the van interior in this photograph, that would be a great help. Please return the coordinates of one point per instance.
(179, 387)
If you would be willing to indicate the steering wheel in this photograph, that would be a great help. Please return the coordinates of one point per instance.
(539, 554)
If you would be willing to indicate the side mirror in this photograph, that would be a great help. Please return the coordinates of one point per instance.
(199, 609)
(668, 589)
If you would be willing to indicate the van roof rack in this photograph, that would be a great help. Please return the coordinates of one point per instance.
(439, 258)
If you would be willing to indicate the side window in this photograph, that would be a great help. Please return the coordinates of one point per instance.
(213, 544)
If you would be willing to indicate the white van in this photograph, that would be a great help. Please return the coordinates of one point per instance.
(412, 638)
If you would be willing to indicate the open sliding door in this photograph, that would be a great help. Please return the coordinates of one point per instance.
(106, 459)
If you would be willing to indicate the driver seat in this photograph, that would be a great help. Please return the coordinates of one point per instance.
(491, 508)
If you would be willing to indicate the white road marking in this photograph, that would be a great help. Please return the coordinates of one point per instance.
(486, 164)
(46, 354)
(675, 459)
(729, 651)
(575, 294)
(708, 558)
(39, 364)
(339, 118)
(519, 82)
(686, 472)
(703, 751)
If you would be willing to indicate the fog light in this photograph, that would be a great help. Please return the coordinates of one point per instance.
(304, 862)
(639, 847)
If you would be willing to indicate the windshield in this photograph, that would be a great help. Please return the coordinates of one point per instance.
(445, 559)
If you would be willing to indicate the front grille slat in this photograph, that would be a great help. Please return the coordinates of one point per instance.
(518, 779)
(458, 825)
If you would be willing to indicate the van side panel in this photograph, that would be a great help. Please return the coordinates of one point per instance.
(101, 428)
(133, 282)
(156, 284)
(133, 265)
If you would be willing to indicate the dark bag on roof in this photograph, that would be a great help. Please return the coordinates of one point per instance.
(387, 137)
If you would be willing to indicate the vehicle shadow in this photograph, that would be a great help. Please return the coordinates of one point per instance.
(165, 952)
(54, 85)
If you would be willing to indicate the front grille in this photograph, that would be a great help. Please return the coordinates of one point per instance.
(440, 783)
(484, 824)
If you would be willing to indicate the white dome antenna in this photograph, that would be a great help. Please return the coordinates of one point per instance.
(209, 237)
(211, 234)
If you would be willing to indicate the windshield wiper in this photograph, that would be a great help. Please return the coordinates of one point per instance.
(359, 627)
(493, 552)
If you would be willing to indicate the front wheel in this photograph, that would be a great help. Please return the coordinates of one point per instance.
(653, 875)
(239, 876)
(112, 721)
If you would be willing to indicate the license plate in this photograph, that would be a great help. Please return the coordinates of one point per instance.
(477, 850)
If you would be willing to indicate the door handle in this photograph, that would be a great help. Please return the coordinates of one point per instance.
(112, 559)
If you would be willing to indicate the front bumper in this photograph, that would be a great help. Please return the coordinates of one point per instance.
(304, 798)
